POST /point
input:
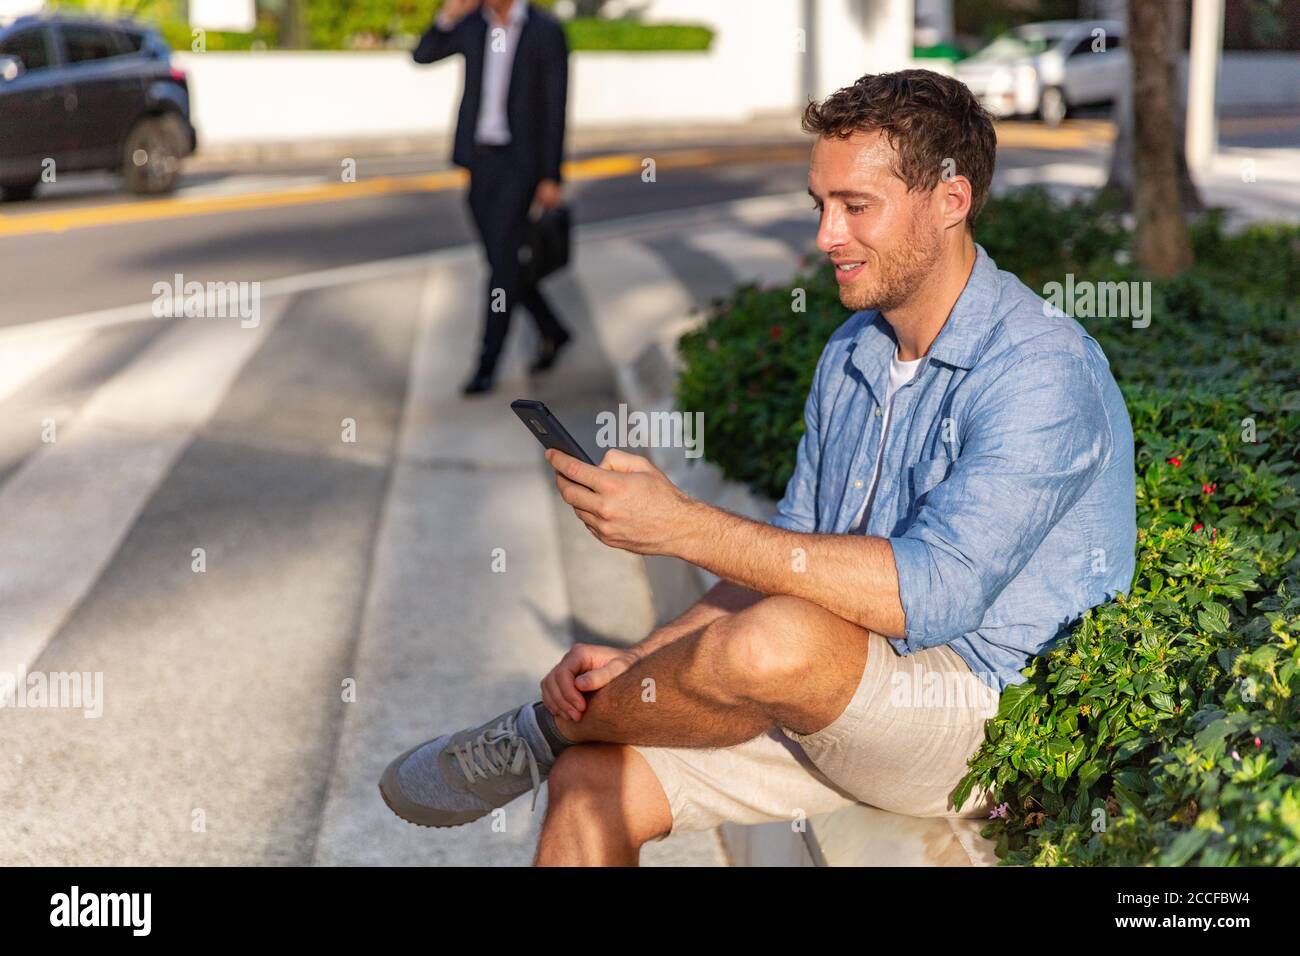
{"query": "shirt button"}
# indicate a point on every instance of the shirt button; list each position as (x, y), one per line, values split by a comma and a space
(858, 483)
(877, 411)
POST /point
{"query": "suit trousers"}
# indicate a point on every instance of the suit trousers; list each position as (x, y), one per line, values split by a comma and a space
(501, 189)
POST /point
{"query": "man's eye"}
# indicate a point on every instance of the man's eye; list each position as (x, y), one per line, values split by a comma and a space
(855, 210)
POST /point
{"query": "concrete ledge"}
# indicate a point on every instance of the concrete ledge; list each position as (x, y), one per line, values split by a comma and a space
(860, 835)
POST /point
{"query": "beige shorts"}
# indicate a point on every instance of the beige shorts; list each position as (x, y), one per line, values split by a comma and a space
(902, 745)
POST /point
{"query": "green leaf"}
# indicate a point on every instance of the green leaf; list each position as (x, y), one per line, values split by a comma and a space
(1186, 846)
(1213, 617)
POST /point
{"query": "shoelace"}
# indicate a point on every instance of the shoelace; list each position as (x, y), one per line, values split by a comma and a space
(495, 751)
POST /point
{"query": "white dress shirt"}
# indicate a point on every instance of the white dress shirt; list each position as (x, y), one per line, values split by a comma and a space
(498, 61)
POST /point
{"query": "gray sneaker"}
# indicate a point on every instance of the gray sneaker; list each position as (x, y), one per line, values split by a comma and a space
(460, 777)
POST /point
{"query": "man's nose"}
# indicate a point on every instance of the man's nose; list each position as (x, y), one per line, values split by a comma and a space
(830, 230)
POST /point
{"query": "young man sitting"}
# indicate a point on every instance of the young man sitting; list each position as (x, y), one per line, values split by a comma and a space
(963, 492)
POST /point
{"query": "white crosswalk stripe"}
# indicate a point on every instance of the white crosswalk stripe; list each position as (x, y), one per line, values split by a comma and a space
(108, 461)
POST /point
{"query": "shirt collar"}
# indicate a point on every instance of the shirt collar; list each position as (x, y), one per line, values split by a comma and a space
(958, 342)
(517, 12)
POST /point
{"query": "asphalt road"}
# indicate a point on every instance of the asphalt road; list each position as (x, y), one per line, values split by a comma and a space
(56, 261)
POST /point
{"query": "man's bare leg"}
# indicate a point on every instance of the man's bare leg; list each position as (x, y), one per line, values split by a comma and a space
(603, 804)
(782, 661)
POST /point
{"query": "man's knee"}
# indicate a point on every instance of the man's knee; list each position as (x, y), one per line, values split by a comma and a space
(613, 782)
(759, 651)
(581, 770)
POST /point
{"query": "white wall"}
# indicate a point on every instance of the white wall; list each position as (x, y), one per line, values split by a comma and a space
(1254, 79)
(759, 63)
(286, 96)
(753, 69)
(280, 97)
(14, 8)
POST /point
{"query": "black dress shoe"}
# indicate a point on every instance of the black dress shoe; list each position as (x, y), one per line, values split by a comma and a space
(480, 383)
(548, 353)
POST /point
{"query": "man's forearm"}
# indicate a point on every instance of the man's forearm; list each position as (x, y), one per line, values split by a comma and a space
(852, 576)
(436, 42)
(725, 597)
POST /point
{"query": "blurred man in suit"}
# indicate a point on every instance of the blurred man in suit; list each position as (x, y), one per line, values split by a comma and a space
(510, 136)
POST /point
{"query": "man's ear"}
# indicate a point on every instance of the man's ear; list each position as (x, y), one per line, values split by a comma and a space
(955, 194)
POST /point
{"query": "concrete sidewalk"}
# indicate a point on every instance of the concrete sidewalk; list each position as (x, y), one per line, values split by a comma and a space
(1255, 184)
(445, 642)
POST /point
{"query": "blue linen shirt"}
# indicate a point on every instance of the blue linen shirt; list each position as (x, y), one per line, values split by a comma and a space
(1007, 487)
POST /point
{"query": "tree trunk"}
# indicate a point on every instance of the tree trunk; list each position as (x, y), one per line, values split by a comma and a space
(1119, 178)
(293, 28)
(1162, 245)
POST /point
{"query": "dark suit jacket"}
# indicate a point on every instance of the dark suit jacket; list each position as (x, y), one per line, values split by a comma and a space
(539, 83)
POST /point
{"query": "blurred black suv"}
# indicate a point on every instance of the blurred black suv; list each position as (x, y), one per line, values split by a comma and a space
(78, 93)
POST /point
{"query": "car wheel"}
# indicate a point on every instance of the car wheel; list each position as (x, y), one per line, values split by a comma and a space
(15, 192)
(1051, 106)
(151, 158)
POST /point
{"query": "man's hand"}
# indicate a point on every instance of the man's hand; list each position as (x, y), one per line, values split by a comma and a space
(587, 667)
(627, 502)
(548, 194)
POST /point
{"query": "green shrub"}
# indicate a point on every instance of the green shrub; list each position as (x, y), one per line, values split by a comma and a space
(379, 24)
(593, 33)
(1163, 729)
(180, 37)
(754, 371)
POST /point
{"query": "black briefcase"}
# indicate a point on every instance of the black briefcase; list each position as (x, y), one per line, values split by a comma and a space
(547, 248)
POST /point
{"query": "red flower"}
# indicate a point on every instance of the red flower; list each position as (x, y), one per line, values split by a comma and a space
(1198, 526)
(1258, 742)
(1175, 461)
(1209, 486)
(775, 331)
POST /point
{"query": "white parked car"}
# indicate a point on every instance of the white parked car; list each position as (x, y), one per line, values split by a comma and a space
(1048, 68)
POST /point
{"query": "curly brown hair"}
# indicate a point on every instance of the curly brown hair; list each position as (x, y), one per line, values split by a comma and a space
(933, 122)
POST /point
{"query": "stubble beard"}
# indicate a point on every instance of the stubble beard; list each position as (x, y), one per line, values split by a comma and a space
(900, 275)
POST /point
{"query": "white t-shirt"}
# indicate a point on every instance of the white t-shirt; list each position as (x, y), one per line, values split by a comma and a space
(900, 373)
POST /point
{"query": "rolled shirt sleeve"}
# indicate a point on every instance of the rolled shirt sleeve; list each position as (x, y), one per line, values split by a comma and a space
(1035, 439)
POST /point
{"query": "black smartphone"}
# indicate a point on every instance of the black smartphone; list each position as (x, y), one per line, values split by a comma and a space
(541, 421)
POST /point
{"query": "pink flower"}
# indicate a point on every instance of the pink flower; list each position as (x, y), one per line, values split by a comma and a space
(1002, 810)
(1209, 486)
(1258, 743)
(1235, 755)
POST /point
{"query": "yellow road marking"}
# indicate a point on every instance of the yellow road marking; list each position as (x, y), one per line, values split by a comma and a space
(182, 206)
(596, 167)
(1075, 134)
